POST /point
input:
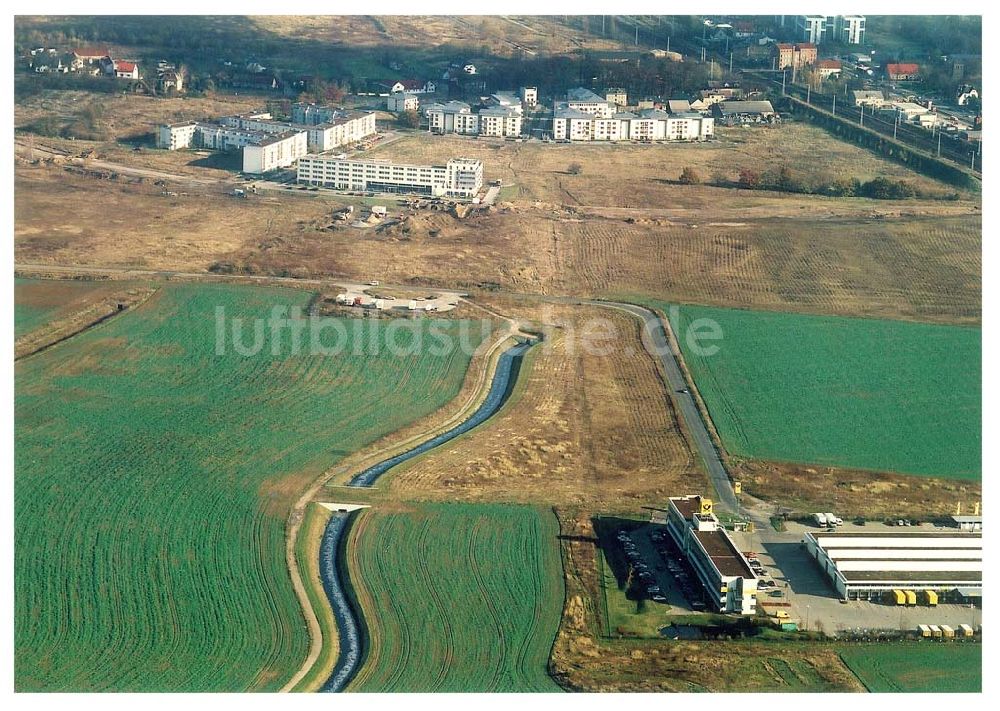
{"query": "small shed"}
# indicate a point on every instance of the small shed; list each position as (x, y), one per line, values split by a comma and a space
(968, 523)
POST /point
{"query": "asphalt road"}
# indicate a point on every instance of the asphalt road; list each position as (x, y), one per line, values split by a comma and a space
(655, 341)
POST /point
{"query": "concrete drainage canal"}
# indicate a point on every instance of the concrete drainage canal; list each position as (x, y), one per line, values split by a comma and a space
(331, 549)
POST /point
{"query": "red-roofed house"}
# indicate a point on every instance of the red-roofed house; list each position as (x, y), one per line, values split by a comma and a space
(827, 68)
(902, 72)
(126, 70)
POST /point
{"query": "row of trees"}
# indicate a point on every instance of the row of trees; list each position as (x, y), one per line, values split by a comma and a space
(787, 180)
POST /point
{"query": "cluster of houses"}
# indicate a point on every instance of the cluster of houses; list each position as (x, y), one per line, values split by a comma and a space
(911, 110)
(96, 61)
(268, 144)
(99, 61)
(584, 115)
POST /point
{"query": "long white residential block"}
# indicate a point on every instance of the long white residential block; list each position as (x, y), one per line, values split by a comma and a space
(460, 177)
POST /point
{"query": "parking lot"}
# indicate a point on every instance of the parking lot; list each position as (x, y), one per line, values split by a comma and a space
(647, 559)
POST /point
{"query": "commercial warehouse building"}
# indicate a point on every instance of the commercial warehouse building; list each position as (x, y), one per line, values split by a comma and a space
(460, 177)
(724, 573)
(867, 566)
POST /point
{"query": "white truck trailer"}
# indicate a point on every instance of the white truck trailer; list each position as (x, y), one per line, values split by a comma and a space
(820, 519)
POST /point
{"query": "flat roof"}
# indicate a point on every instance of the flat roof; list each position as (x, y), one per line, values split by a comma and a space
(687, 507)
(723, 553)
(899, 540)
(580, 94)
(912, 576)
(749, 107)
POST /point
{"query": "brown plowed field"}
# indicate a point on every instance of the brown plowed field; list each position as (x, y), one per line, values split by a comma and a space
(582, 427)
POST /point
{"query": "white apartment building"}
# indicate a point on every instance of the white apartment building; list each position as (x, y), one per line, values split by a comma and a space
(617, 96)
(849, 29)
(263, 151)
(457, 117)
(176, 136)
(340, 129)
(443, 118)
(312, 114)
(461, 177)
(507, 100)
(274, 151)
(500, 121)
(646, 125)
(225, 138)
(402, 101)
(812, 28)
(529, 95)
(588, 102)
(345, 128)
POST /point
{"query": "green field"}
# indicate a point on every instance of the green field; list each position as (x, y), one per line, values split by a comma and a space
(861, 393)
(457, 597)
(924, 667)
(36, 302)
(154, 478)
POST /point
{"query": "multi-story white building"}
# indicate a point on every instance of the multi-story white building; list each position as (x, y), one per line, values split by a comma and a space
(529, 96)
(724, 573)
(225, 138)
(457, 117)
(443, 118)
(343, 129)
(460, 177)
(500, 121)
(402, 101)
(176, 136)
(507, 100)
(266, 145)
(646, 125)
(274, 151)
(849, 29)
(617, 96)
(812, 28)
(588, 102)
(312, 114)
(572, 124)
(340, 129)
